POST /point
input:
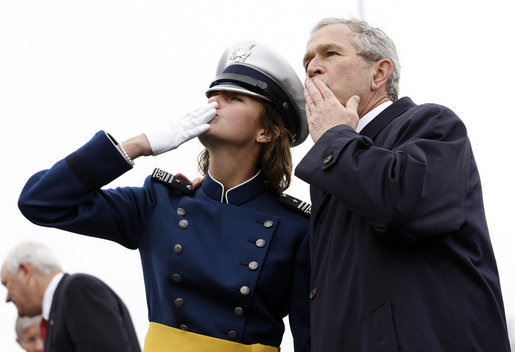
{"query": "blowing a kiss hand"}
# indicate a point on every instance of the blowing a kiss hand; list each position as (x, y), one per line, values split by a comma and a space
(324, 111)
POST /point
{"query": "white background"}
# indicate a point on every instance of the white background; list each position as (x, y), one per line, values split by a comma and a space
(69, 68)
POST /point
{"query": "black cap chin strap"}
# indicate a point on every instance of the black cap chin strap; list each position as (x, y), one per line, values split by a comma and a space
(252, 84)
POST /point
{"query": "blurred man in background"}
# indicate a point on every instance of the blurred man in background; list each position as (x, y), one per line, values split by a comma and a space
(80, 312)
(28, 333)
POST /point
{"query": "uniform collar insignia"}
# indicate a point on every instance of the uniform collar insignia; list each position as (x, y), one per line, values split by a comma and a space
(241, 54)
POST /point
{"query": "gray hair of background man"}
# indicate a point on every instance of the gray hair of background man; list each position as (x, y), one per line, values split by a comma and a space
(24, 322)
(42, 258)
(372, 44)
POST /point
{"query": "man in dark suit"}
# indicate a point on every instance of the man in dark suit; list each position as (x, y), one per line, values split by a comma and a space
(400, 251)
(80, 312)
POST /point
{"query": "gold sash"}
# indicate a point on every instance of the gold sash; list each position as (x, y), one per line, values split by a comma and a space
(162, 338)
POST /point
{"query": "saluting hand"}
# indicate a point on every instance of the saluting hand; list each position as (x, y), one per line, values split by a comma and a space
(324, 111)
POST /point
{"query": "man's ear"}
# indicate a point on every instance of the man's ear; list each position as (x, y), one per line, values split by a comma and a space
(26, 270)
(381, 72)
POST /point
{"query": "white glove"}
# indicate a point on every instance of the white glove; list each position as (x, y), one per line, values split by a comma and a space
(181, 130)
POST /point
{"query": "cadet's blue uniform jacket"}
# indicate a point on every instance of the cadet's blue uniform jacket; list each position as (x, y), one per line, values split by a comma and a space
(231, 271)
(401, 256)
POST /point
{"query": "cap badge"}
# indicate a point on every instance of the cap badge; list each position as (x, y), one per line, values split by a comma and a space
(241, 54)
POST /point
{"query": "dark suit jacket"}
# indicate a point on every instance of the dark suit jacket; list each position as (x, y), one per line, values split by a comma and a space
(87, 316)
(400, 251)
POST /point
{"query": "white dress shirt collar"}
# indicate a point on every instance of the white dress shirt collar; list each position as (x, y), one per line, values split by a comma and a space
(369, 116)
(48, 297)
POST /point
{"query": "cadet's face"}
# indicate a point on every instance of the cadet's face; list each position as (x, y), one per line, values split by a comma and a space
(237, 118)
(31, 339)
(332, 57)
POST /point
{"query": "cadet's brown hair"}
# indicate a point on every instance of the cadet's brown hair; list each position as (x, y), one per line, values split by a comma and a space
(275, 160)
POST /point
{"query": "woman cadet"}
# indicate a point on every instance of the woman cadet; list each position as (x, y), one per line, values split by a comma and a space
(223, 265)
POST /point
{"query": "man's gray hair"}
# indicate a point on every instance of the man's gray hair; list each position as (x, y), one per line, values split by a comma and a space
(24, 322)
(372, 44)
(42, 258)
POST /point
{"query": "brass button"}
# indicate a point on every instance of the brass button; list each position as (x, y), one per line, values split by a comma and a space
(253, 265)
(181, 211)
(260, 243)
(244, 290)
(268, 223)
(179, 302)
(233, 335)
(177, 249)
(183, 224)
(238, 311)
(313, 293)
(184, 327)
(176, 278)
(328, 159)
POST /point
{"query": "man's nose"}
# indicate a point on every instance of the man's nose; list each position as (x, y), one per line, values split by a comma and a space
(314, 68)
(39, 345)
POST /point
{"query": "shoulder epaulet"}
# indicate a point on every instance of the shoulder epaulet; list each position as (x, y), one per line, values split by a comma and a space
(295, 204)
(172, 181)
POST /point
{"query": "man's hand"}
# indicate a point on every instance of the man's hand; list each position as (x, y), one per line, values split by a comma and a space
(324, 111)
(180, 130)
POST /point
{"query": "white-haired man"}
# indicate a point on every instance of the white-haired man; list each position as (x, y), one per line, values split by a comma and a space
(28, 333)
(80, 312)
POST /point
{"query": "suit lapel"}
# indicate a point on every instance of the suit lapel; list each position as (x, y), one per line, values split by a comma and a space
(53, 313)
(380, 121)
